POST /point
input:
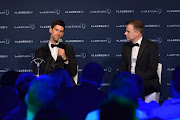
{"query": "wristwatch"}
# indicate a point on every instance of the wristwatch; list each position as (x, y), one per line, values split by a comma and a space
(66, 59)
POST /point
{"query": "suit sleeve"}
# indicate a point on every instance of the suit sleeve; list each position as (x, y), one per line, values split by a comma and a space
(153, 62)
(71, 67)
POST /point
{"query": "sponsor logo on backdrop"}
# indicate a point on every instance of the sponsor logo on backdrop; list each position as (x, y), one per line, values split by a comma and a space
(173, 26)
(4, 70)
(173, 40)
(125, 11)
(123, 40)
(169, 98)
(44, 41)
(80, 26)
(159, 40)
(5, 41)
(3, 27)
(173, 55)
(23, 41)
(44, 27)
(107, 40)
(100, 26)
(74, 12)
(81, 55)
(118, 55)
(106, 11)
(4, 12)
(56, 11)
(23, 70)
(173, 11)
(170, 69)
(80, 70)
(152, 26)
(158, 11)
(107, 69)
(105, 84)
(3, 56)
(31, 55)
(120, 26)
(30, 26)
(100, 55)
(74, 41)
(23, 12)
(169, 85)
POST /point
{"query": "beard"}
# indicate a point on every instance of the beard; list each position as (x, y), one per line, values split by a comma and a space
(56, 39)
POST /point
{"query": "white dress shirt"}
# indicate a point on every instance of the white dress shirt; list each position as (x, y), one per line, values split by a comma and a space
(54, 51)
(134, 54)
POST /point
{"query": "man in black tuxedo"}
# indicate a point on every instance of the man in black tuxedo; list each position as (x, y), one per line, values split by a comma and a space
(56, 54)
(140, 56)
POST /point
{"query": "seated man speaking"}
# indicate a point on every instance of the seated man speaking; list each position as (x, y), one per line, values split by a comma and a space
(55, 54)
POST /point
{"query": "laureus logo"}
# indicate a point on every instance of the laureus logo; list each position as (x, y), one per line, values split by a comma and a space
(82, 55)
(32, 26)
(159, 40)
(158, 10)
(7, 41)
(83, 26)
(32, 55)
(108, 11)
(6, 12)
(4, 70)
(108, 40)
(58, 11)
(108, 69)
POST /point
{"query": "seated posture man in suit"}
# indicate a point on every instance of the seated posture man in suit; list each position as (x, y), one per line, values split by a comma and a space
(86, 97)
(56, 54)
(140, 56)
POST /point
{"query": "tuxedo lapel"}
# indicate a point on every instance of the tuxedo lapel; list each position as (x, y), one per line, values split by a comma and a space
(50, 62)
(129, 51)
(141, 49)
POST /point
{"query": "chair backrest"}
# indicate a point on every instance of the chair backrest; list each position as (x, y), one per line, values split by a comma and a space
(159, 71)
(76, 77)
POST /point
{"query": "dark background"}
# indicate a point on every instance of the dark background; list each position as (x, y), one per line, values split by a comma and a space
(94, 28)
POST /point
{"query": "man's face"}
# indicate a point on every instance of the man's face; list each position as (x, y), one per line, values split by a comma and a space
(131, 33)
(56, 33)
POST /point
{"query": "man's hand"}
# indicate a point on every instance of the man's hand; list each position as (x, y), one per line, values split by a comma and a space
(61, 52)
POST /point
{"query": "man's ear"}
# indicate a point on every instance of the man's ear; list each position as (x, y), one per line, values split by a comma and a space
(138, 32)
(50, 30)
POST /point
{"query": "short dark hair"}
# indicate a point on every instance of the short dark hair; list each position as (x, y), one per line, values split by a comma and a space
(176, 78)
(124, 85)
(93, 72)
(137, 24)
(23, 82)
(58, 22)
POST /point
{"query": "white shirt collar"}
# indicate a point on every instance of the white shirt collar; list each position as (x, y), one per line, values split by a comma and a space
(139, 41)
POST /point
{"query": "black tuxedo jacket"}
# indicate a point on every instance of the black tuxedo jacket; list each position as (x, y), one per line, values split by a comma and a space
(146, 64)
(50, 64)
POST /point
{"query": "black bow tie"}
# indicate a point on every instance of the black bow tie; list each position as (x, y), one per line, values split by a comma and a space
(60, 45)
(52, 45)
(132, 45)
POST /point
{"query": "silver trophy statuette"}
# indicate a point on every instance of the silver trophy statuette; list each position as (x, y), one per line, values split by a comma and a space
(38, 62)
